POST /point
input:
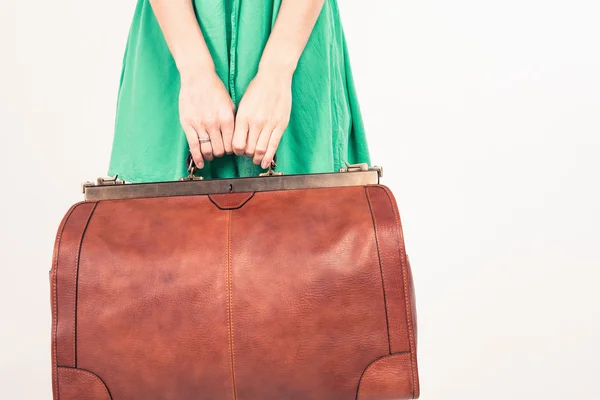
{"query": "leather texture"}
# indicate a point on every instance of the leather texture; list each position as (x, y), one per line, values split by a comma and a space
(388, 378)
(297, 294)
(77, 384)
(230, 201)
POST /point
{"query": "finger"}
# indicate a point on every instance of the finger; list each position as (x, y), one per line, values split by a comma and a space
(192, 138)
(272, 147)
(205, 146)
(216, 141)
(240, 136)
(253, 133)
(227, 129)
(261, 144)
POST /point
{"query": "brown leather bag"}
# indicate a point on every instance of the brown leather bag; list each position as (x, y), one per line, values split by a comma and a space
(267, 288)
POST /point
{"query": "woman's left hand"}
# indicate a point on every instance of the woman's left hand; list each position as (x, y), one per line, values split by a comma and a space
(262, 117)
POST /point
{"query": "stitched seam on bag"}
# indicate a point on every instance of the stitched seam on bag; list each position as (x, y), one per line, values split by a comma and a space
(385, 302)
(77, 370)
(401, 250)
(372, 364)
(76, 277)
(230, 307)
(55, 295)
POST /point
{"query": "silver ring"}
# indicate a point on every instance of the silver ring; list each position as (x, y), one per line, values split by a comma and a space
(204, 140)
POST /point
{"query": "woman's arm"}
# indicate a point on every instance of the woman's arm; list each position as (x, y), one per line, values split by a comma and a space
(264, 111)
(184, 37)
(205, 108)
(291, 32)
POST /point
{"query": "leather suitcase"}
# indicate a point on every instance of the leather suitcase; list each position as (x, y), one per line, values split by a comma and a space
(274, 287)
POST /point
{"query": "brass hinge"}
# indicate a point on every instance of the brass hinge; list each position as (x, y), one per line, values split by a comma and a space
(191, 170)
(271, 171)
(102, 182)
(192, 177)
(362, 167)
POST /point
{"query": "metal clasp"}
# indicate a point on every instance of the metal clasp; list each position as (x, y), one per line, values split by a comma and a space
(362, 167)
(102, 182)
(271, 171)
(192, 171)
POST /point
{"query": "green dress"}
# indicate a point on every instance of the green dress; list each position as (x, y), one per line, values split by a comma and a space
(325, 129)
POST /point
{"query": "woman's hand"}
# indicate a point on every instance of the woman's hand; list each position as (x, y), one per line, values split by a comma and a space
(263, 115)
(264, 112)
(205, 108)
(206, 111)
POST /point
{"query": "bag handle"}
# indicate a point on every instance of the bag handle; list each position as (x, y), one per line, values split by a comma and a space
(192, 169)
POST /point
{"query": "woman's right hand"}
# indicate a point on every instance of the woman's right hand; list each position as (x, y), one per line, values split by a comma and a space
(206, 111)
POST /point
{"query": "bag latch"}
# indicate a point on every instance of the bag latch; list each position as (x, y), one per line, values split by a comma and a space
(102, 182)
(362, 167)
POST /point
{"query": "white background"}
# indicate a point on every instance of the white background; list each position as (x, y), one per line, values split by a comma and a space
(486, 116)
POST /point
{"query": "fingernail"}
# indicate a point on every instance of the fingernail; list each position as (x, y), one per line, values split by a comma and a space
(265, 164)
